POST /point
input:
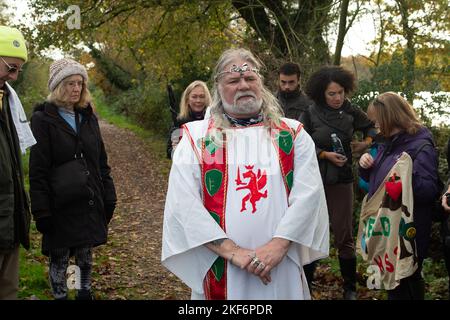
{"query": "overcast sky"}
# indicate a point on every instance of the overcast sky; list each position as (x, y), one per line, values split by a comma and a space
(356, 41)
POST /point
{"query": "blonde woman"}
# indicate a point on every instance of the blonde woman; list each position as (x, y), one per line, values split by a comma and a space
(194, 101)
(72, 192)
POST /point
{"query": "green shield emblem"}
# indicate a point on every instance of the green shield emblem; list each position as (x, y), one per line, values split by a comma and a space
(213, 180)
(215, 216)
(284, 140)
(218, 268)
(210, 146)
(290, 179)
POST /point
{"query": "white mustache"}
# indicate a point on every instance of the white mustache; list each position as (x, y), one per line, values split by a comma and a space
(244, 93)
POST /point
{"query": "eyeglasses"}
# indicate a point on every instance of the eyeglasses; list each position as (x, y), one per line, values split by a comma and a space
(11, 69)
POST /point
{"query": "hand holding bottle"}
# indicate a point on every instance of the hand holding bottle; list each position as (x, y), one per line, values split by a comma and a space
(336, 158)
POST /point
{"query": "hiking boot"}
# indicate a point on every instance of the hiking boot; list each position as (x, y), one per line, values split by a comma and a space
(309, 273)
(348, 271)
(350, 295)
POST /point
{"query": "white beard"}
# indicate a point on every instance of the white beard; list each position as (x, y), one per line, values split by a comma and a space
(248, 107)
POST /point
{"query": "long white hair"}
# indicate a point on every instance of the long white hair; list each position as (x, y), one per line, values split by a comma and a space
(270, 107)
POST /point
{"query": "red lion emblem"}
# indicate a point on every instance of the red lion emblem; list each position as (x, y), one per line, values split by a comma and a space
(256, 183)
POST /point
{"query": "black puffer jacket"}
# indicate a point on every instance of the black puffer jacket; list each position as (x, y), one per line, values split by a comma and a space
(83, 221)
(293, 103)
(344, 122)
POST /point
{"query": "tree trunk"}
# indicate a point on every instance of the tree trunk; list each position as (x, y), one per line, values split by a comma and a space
(294, 34)
(410, 51)
(342, 31)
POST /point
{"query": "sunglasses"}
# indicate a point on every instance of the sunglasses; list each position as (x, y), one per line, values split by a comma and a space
(11, 69)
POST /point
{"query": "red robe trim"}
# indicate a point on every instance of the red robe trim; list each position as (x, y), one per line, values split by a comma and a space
(214, 167)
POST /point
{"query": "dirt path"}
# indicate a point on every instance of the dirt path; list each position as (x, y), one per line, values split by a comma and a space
(129, 265)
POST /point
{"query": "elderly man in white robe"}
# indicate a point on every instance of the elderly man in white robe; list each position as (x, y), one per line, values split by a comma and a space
(245, 207)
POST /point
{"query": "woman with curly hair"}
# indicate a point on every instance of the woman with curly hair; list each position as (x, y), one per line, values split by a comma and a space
(333, 113)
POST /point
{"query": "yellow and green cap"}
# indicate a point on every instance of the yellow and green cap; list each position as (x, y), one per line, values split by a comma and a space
(12, 43)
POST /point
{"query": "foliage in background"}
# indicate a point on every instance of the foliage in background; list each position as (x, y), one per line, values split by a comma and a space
(31, 86)
(146, 105)
(3, 17)
(139, 47)
(430, 102)
(140, 38)
(290, 30)
(412, 38)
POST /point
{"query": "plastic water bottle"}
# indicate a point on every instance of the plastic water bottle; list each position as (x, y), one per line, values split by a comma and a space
(337, 144)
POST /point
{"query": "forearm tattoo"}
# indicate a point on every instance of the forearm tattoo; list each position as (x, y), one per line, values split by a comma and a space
(218, 242)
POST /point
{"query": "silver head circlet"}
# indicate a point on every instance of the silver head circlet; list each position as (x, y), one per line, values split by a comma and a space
(235, 68)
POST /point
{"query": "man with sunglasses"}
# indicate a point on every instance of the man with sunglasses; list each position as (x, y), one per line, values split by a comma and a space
(12, 69)
(15, 136)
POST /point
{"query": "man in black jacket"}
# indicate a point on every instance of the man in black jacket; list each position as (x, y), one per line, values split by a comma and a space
(14, 209)
(293, 101)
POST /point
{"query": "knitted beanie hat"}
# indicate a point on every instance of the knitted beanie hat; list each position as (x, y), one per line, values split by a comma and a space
(12, 43)
(61, 69)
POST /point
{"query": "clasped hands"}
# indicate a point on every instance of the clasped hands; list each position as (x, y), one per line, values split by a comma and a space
(260, 261)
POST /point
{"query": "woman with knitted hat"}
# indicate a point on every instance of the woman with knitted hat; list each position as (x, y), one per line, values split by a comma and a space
(72, 192)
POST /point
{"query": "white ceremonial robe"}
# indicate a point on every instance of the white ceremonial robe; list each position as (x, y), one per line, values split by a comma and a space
(303, 218)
